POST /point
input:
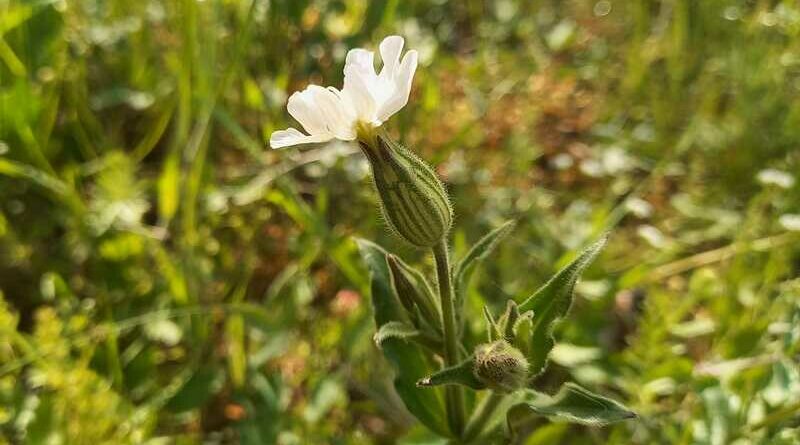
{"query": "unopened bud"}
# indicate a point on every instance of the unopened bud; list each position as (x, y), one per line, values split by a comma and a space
(413, 200)
(413, 291)
(500, 366)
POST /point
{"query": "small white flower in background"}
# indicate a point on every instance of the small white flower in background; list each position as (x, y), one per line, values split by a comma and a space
(639, 207)
(776, 177)
(367, 98)
(790, 221)
(652, 235)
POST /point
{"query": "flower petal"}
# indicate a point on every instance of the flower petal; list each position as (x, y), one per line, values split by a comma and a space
(402, 87)
(361, 58)
(303, 108)
(357, 89)
(390, 47)
(349, 112)
(336, 112)
(291, 136)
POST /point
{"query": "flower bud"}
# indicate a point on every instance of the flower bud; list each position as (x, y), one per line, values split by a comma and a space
(500, 366)
(413, 291)
(413, 200)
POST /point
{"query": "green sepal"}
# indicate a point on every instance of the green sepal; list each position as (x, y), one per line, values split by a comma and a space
(523, 331)
(572, 403)
(551, 303)
(492, 330)
(509, 320)
(407, 359)
(513, 327)
(460, 374)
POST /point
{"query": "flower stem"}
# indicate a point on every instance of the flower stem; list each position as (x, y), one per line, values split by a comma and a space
(770, 420)
(454, 395)
(777, 417)
(482, 415)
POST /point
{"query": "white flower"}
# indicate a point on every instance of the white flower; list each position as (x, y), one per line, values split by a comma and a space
(773, 176)
(367, 98)
(790, 221)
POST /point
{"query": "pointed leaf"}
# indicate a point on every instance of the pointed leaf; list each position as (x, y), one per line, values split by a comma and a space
(413, 290)
(485, 246)
(407, 359)
(197, 390)
(169, 183)
(395, 329)
(552, 302)
(573, 404)
(460, 374)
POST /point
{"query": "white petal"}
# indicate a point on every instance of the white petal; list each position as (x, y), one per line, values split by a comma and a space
(337, 114)
(390, 47)
(291, 136)
(349, 113)
(402, 87)
(362, 58)
(357, 89)
(303, 108)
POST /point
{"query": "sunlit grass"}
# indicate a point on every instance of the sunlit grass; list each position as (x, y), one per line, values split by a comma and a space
(161, 265)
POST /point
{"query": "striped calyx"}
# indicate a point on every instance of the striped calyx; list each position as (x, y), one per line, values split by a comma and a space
(413, 200)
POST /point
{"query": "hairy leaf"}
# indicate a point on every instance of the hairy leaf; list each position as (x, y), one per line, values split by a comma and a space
(414, 292)
(395, 329)
(463, 270)
(552, 302)
(460, 374)
(573, 404)
(407, 359)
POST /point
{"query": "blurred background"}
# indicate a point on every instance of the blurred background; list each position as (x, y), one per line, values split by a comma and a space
(167, 278)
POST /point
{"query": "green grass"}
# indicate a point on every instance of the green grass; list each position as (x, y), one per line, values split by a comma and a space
(167, 278)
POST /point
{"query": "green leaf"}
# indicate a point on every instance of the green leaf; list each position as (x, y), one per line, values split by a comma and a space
(463, 270)
(15, 15)
(169, 187)
(235, 336)
(573, 404)
(326, 395)
(378, 12)
(340, 251)
(39, 177)
(551, 303)
(460, 374)
(407, 359)
(395, 329)
(197, 390)
(415, 293)
(549, 434)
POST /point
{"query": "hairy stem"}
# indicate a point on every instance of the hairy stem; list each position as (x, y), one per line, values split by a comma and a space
(454, 394)
(482, 415)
